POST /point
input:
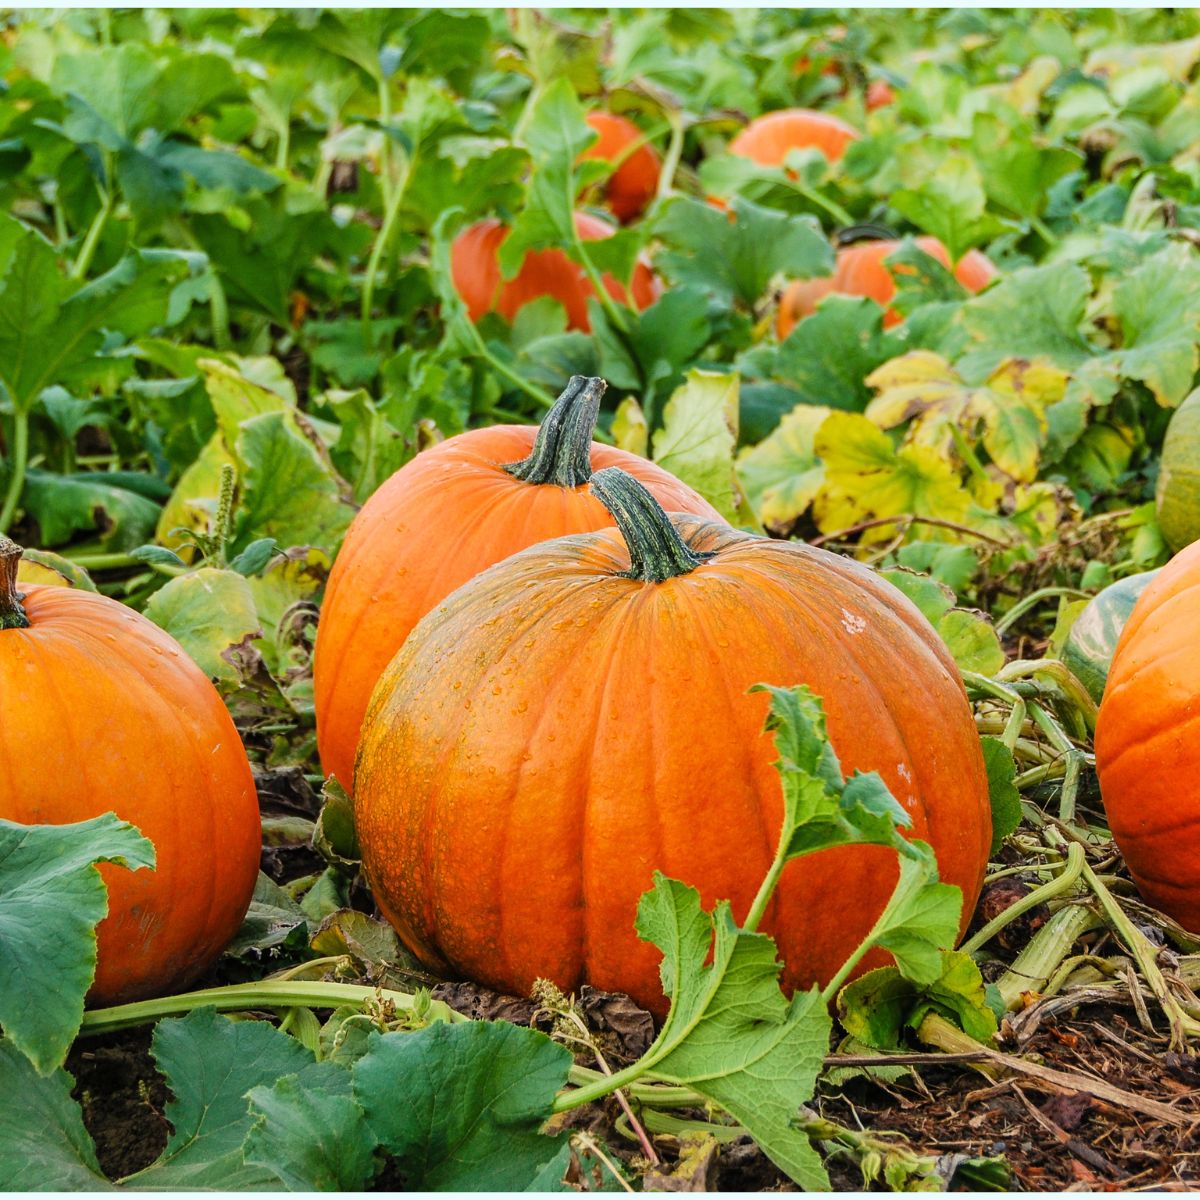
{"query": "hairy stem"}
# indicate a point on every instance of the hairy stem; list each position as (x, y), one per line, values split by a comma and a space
(16, 469)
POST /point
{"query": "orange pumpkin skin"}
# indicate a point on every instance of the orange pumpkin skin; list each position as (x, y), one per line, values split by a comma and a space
(555, 731)
(475, 269)
(861, 271)
(631, 187)
(1148, 741)
(880, 94)
(450, 513)
(768, 139)
(101, 711)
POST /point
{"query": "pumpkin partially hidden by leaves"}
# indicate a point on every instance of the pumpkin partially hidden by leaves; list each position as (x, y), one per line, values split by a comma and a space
(101, 711)
(454, 510)
(861, 270)
(579, 716)
(1178, 493)
(631, 187)
(475, 269)
(1148, 741)
(769, 139)
(1092, 641)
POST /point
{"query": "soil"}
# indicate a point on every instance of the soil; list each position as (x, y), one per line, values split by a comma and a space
(122, 1097)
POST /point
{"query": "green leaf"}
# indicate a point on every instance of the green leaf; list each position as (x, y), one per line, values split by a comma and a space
(312, 1140)
(921, 918)
(274, 919)
(730, 1034)
(44, 1146)
(291, 491)
(210, 1064)
(821, 810)
(556, 134)
(94, 501)
(828, 355)
(211, 614)
(476, 1097)
(1002, 791)
(736, 260)
(972, 640)
(878, 1006)
(1018, 171)
(51, 328)
(51, 900)
(698, 436)
(950, 203)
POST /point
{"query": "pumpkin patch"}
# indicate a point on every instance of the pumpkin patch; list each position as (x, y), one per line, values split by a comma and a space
(607, 603)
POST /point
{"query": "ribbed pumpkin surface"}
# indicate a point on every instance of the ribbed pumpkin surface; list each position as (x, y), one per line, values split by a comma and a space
(555, 731)
(101, 711)
(450, 513)
(1148, 741)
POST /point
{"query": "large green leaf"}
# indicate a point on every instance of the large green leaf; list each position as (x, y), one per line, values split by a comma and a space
(51, 900)
(476, 1098)
(44, 1146)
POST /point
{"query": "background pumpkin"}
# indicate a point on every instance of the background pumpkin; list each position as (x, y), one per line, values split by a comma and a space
(1148, 741)
(861, 271)
(475, 269)
(578, 716)
(101, 711)
(631, 187)
(1178, 493)
(1092, 641)
(768, 139)
(451, 512)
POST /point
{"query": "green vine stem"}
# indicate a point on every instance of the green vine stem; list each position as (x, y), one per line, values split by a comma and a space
(562, 452)
(1063, 680)
(12, 615)
(382, 241)
(265, 994)
(1065, 881)
(1184, 1020)
(656, 551)
(1045, 952)
(16, 469)
(1026, 603)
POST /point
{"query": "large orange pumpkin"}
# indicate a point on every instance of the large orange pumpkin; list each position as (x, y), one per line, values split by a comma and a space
(631, 187)
(475, 269)
(101, 711)
(451, 512)
(1148, 741)
(861, 271)
(579, 716)
(768, 139)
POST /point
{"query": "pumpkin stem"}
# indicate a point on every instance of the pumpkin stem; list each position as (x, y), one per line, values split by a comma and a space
(12, 615)
(656, 551)
(562, 453)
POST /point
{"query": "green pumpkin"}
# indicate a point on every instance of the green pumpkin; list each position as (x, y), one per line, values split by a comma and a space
(1089, 647)
(1178, 494)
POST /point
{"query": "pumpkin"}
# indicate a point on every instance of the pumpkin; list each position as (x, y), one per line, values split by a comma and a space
(475, 270)
(768, 139)
(631, 187)
(1178, 492)
(451, 512)
(578, 716)
(101, 711)
(1092, 640)
(1148, 741)
(880, 94)
(861, 271)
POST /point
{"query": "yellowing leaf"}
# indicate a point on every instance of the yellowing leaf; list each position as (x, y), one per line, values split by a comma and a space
(782, 474)
(866, 477)
(698, 437)
(629, 428)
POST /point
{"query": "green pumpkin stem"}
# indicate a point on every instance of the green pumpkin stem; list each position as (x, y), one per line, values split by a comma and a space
(562, 453)
(12, 615)
(656, 551)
